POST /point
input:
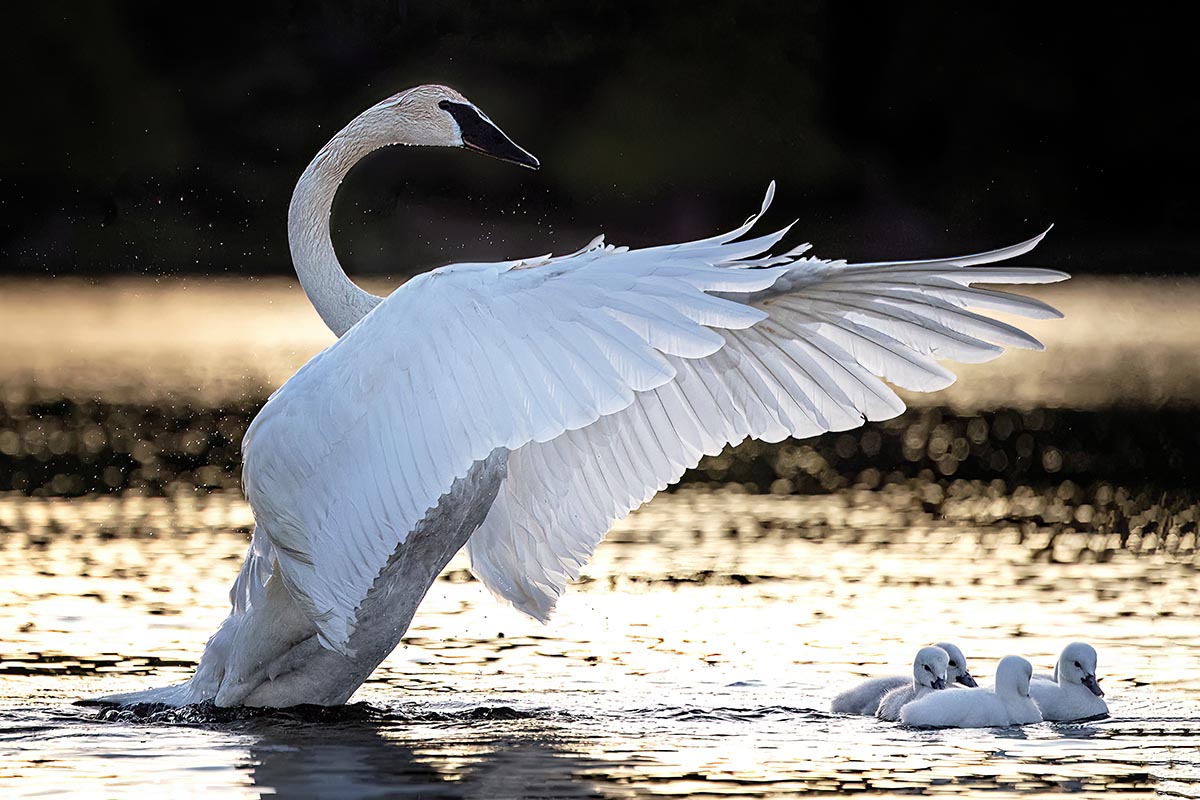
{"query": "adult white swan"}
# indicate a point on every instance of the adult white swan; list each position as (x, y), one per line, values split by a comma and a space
(522, 407)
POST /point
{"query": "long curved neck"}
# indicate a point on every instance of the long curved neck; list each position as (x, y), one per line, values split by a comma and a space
(339, 302)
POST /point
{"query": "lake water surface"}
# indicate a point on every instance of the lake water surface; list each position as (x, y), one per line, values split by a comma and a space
(698, 654)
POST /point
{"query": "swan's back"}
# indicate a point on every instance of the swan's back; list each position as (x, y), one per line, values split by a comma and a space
(960, 708)
(864, 699)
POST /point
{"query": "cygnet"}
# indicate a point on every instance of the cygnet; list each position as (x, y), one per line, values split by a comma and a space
(929, 675)
(1075, 692)
(864, 698)
(1008, 703)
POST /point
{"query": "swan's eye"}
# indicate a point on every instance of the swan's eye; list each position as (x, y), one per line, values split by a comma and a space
(953, 664)
(927, 669)
(1077, 665)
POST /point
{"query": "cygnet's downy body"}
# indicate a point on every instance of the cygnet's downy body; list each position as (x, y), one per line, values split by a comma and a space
(929, 675)
(1075, 692)
(864, 698)
(1008, 703)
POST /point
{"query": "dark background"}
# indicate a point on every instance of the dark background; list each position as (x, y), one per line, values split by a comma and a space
(139, 139)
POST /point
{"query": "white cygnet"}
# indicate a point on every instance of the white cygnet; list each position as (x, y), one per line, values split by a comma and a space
(957, 673)
(864, 698)
(1074, 693)
(929, 675)
(1008, 703)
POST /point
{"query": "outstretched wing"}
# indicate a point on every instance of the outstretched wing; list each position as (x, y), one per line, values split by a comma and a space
(815, 364)
(607, 373)
(350, 454)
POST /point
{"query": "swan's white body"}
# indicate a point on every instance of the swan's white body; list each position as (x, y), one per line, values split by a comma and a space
(1007, 703)
(864, 698)
(520, 408)
(929, 675)
(1074, 693)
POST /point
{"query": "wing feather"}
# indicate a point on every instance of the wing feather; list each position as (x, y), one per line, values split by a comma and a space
(814, 364)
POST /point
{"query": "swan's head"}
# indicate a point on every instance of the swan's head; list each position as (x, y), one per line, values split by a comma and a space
(1077, 664)
(1013, 675)
(929, 667)
(438, 116)
(958, 672)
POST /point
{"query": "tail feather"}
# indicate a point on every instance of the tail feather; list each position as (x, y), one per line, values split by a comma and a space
(175, 696)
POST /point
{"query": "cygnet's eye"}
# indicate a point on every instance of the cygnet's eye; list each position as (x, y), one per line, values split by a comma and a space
(927, 669)
(953, 664)
(1077, 665)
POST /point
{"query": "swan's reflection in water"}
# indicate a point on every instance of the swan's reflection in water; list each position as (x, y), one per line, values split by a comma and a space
(349, 761)
(392, 757)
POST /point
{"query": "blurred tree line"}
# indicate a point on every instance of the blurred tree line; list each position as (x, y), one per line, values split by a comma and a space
(146, 138)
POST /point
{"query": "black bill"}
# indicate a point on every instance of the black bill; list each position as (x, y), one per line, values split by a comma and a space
(481, 135)
(939, 683)
(1093, 685)
(966, 680)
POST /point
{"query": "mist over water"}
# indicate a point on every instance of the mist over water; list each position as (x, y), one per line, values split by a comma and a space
(1045, 498)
